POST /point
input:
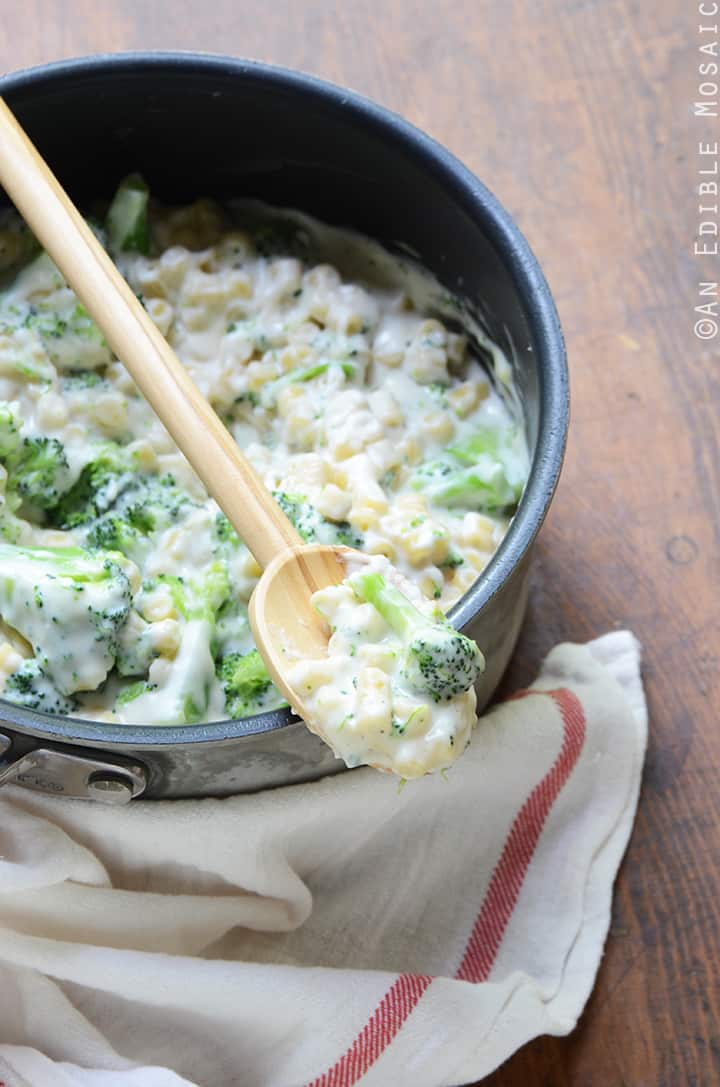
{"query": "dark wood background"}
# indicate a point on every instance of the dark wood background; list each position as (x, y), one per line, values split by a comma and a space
(578, 114)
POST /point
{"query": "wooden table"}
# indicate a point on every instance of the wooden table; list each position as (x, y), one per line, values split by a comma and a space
(579, 115)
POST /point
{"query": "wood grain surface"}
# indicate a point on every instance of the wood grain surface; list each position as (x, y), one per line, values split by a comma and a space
(579, 115)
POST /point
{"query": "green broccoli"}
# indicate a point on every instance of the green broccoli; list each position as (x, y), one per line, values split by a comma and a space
(69, 335)
(347, 535)
(483, 487)
(96, 489)
(80, 380)
(31, 687)
(312, 526)
(127, 218)
(133, 691)
(112, 533)
(22, 354)
(201, 597)
(246, 683)
(225, 532)
(188, 687)
(134, 656)
(118, 508)
(271, 390)
(439, 660)
(451, 561)
(127, 528)
(70, 605)
(136, 649)
(38, 471)
(484, 472)
(10, 424)
(231, 626)
(12, 528)
(54, 330)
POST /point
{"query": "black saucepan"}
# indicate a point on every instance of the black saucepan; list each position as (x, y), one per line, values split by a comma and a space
(198, 125)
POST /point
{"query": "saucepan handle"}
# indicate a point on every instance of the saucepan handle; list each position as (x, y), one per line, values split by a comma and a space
(65, 773)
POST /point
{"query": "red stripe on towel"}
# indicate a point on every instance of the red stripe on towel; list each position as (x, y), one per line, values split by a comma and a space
(509, 874)
(495, 913)
(378, 1032)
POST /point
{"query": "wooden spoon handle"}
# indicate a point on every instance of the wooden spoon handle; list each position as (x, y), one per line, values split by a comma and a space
(135, 340)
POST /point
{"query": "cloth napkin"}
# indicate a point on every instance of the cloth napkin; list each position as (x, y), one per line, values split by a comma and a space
(338, 933)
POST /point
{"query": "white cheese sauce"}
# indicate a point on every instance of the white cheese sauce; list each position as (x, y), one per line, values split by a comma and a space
(343, 375)
(359, 698)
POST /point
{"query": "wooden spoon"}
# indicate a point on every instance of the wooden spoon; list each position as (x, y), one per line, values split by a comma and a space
(284, 623)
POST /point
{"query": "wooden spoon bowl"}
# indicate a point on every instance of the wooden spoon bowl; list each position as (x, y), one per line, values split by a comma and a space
(284, 624)
(283, 621)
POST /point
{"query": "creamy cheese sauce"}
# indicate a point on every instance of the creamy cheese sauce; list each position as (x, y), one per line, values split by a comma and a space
(364, 410)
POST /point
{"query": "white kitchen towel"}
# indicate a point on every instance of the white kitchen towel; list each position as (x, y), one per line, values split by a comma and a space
(338, 933)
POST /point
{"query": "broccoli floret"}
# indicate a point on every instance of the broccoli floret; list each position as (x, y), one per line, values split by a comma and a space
(312, 526)
(347, 535)
(484, 472)
(188, 684)
(127, 218)
(304, 517)
(70, 605)
(81, 379)
(246, 683)
(231, 626)
(133, 691)
(224, 530)
(113, 534)
(210, 592)
(9, 429)
(451, 561)
(140, 642)
(22, 353)
(70, 337)
(482, 487)
(96, 490)
(439, 660)
(126, 531)
(136, 647)
(198, 598)
(161, 498)
(12, 528)
(30, 686)
(486, 441)
(53, 330)
(228, 542)
(271, 390)
(118, 507)
(438, 390)
(131, 508)
(38, 471)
